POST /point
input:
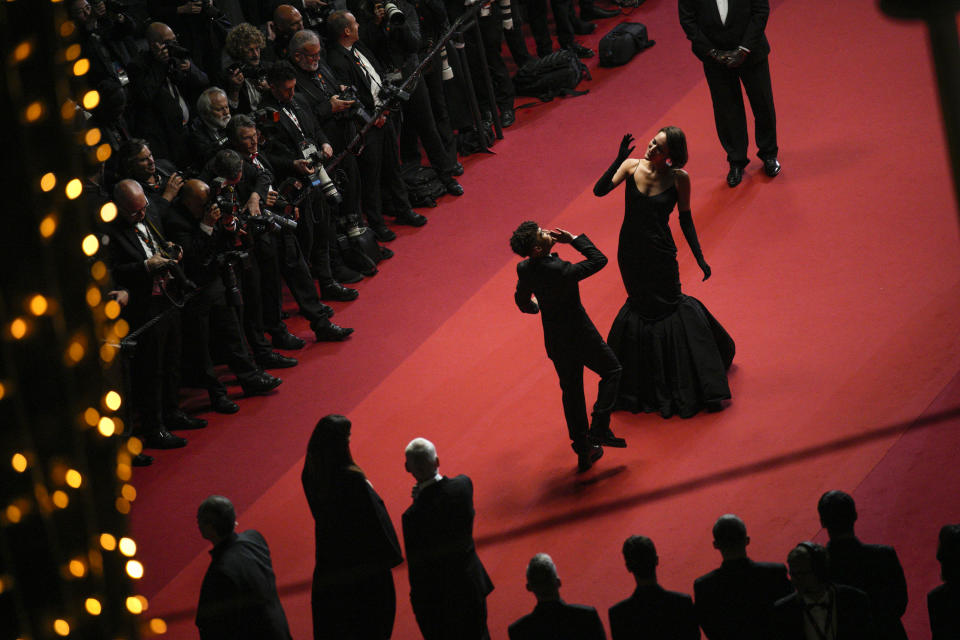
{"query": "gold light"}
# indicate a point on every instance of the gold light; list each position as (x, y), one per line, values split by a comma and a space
(68, 110)
(98, 270)
(128, 547)
(73, 478)
(134, 605)
(129, 492)
(158, 626)
(19, 462)
(34, 111)
(91, 416)
(81, 66)
(122, 505)
(90, 138)
(112, 309)
(74, 189)
(124, 471)
(75, 352)
(106, 427)
(61, 499)
(38, 305)
(3, 391)
(121, 327)
(134, 569)
(18, 328)
(77, 568)
(48, 225)
(60, 627)
(91, 99)
(108, 542)
(103, 152)
(112, 400)
(93, 606)
(13, 513)
(22, 52)
(90, 245)
(94, 296)
(67, 28)
(108, 212)
(107, 353)
(72, 52)
(135, 446)
(48, 181)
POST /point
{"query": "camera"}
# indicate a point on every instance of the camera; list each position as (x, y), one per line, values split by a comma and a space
(228, 261)
(314, 17)
(265, 117)
(356, 109)
(389, 92)
(446, 71)
(506, 14)
(178, 54)
(320, 179)
(394, 15)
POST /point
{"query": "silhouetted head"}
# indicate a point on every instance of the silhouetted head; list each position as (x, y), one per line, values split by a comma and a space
(421, 459)
(530, 241)
(542, 578)
(216, 518)
(948, 553)
(640, 556)
(730, 536)
(809, 569)
(837, 512)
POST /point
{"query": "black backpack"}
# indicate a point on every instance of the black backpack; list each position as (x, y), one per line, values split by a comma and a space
(624, 41)
(423, 185)
(556, 74)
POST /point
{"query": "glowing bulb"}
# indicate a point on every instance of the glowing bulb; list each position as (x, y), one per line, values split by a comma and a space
(124, 471)
(92, 137)
(38, 305)
(121, 327)
(129, 493)
(107, 353)
(111, 309)
(14, 514)
(60, 627)
(91, 416)
(94, 296)
(33, 111)
(90, 245)
(48, 225)
(106, 427)
(61, 499)
(93, 606)
(103, 152)
(18, 328)
(68, 110)
(19, 462)
(22, 52)
(73, 478)
(74, 189)
(91, 99)
(158, 626)
(135, 446)
(112, 400)
(77, 568)
(81, 66)
(98, 270)
(128, 547)
(67, 28)
(122, 505)
(134, 569)
(3, 391)
(108, 542)
(134, 605)
(72, 52)
(75, 352)
(48, 181)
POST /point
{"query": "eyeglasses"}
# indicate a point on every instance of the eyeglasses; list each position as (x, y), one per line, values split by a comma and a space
(310, 56)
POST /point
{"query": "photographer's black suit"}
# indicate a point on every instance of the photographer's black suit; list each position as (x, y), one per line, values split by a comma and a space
(744, 27)
(571, 339)
(735, 601)
(204, 142)
(851, 607)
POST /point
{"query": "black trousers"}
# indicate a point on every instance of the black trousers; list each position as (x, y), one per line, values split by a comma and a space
(491, 30)
(730, 115)
(261, 287)
(537, 15)
(313, 233)
(420, 121)
(409, 143)
(383, 188)
(293, 268)
(155, 368)
(591, 352)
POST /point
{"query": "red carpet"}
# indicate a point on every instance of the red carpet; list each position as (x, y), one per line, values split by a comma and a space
(839, 280)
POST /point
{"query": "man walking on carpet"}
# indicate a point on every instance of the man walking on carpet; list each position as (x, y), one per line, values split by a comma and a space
(551, 286)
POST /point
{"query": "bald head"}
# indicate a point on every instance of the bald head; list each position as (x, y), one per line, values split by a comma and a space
(159, 32)
(422, 461)
(194, 196)
(130, 200)
(730, 536)
(287, 20)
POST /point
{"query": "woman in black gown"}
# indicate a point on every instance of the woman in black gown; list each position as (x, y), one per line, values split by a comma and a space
(356, 545)
(674, 354)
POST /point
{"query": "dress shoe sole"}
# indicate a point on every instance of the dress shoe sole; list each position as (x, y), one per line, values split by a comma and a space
(230, 409)
(339, 337)
(280, 364)
(340, 296)
(610, 441)
(733, 179)
(259, 391)
(585, 462)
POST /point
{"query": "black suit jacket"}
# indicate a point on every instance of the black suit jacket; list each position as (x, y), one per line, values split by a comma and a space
(744, 27)
(943, 607)
(736, 600)
(558, 621)
(875, 570)
(283, 138)
(556, 284)
(238, 598)
(448, 583)
(653, 613)
(854, 621)
(351, 72)
(125, 258)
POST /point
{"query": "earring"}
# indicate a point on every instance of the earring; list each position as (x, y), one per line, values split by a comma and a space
(669, 162)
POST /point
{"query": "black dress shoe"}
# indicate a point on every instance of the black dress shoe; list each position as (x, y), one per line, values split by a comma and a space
(343, 273)
(274, 360)
(260, 384)
(581, 51)
(288, 341)
(507, 117)
(605, 438)
(457, 169)
(585, 459)
(735, 175)
(771, 166)
(223, 404)
(163, 439)
(337, 291)
(411, 218)
(453, 187)
(582, 28)
(179, 420)
(383, 233)
(596, 13)
(141, 460)
(332, 333)
(385, 253)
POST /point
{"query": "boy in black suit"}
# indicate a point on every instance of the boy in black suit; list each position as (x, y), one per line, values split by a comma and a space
(549, 285)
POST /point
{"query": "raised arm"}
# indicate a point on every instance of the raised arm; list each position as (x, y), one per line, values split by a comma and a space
(686, 220)
(618, 170)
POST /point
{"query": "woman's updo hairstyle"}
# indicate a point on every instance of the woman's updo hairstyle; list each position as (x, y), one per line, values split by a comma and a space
(676, 146)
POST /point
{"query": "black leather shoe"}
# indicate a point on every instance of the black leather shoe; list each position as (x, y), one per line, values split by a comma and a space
(457, 169)
(605, 438)
(385, 253)
(163, 439)
(276, 360)
(343, 273)
(179, 420)
(596, 13)
(581, 51)
(383, 233)
(586, 458)
(771, 166)
(411, 219)
(582, 28)
(141, 460)
(288, 341)
(223, 404)
(260, 384)
(453, 187)
(332, 333)
(507, 118)
(337, 291)
(734, 176)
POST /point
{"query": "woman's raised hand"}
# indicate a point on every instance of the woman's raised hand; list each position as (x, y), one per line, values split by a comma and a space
(625, 148)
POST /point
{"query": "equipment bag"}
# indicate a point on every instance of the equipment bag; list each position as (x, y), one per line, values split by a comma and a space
(556, 74)
(624, 41)
(359, 250)
(423, 185)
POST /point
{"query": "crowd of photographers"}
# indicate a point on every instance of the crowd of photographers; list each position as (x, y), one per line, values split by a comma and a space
(257, 144)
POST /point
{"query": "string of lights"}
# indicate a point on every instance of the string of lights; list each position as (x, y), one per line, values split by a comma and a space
(67, 567)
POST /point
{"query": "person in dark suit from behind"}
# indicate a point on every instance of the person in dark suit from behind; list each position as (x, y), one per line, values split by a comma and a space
(733, 48)
(943, 602)
(736, 600)
(356, 546)
(552, 618)
(551, 286)
(652, 612)
(448, 583)
(238, 597)
(872, 568)
(819, 609)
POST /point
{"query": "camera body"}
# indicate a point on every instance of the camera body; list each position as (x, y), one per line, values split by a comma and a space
(394, 15)
(178, 55)
(356, 109)
(320, 179)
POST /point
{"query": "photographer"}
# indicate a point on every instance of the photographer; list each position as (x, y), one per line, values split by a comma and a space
(287, 20)
(213, 259)
(244, 75)
(201, 25)
(106, 37)
(160, 181)
(208, 130)
(164, 83)
(384, 190)
(282, 257)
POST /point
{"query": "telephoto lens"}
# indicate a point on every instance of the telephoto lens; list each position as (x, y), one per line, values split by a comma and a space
(394, 15)
(506, 14)
(446, 71)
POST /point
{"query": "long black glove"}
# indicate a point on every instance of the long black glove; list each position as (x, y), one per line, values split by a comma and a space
(690, 233)
(605, 183)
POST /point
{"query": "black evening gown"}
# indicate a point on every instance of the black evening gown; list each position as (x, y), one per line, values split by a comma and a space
(674, 354)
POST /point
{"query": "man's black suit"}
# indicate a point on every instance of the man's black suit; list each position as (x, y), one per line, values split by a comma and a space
(204, 141)
(448, 584)
(736, 600)
(238, 598)
(875, 570)
(744, 27)
(852, 610)
(943, 608)
(653, 613)
(571, 339)
(558, 621)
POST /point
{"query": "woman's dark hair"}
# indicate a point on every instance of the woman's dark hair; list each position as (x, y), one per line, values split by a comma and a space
(328, 455)
(676, 146)
(524, 238)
